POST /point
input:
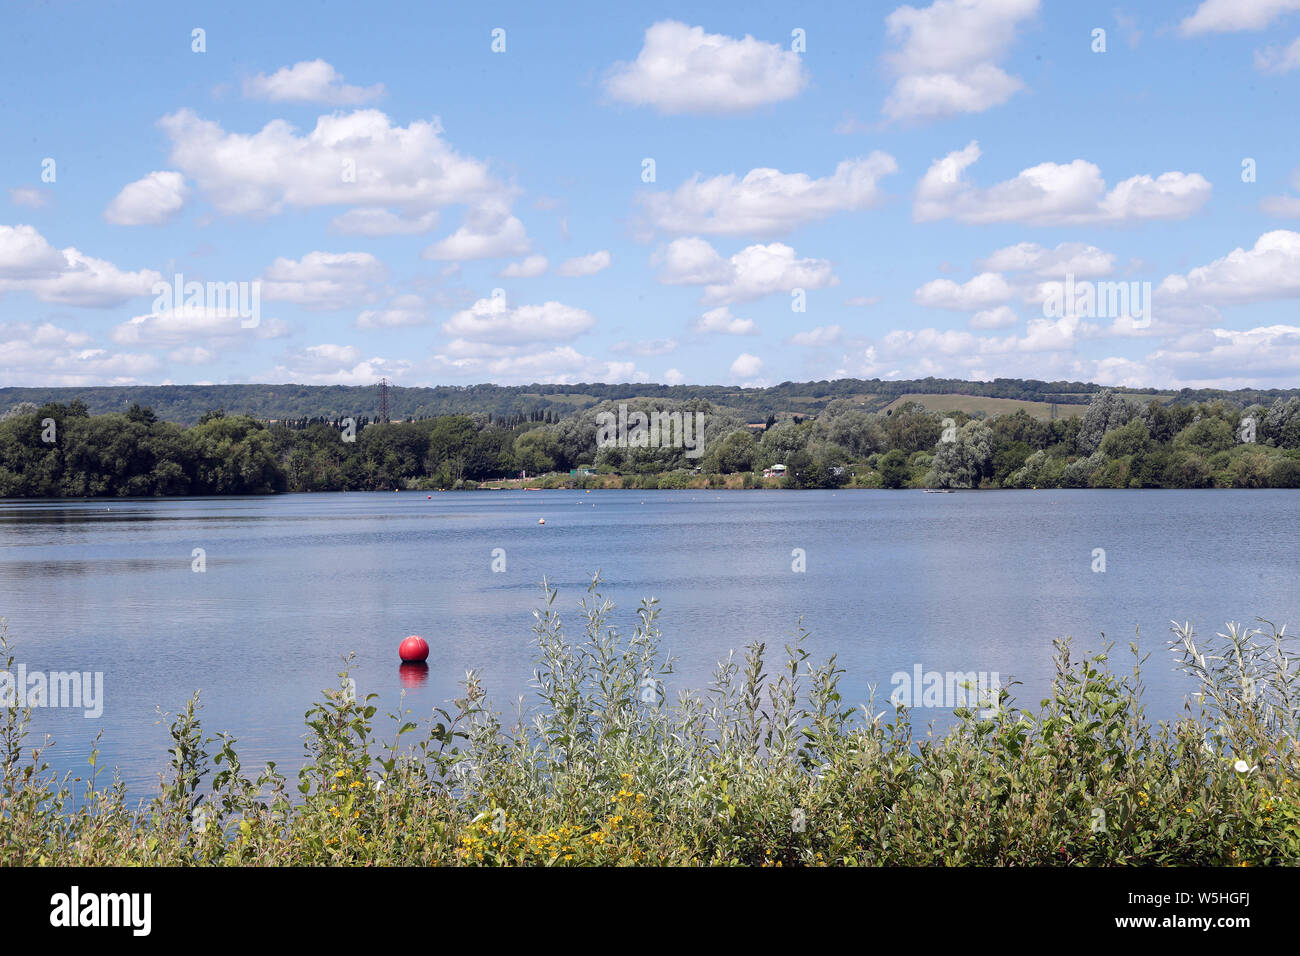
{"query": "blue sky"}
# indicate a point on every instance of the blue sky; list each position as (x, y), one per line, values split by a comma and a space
(413, 204)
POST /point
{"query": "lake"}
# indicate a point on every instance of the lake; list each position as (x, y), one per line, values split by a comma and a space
(892, 581)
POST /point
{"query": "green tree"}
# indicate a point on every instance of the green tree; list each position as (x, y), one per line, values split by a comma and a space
(1106, 411)
(536, 451)
(1130, 439)
(781, 442)
(1285, 473)
(893, 469)
(855, 431)
(737, 452)
(140, 415)
(964, 461)
(1008, 458)
(447, 448)
(911, 428)
(1206, 436)
(234, 456)
(1281, 426)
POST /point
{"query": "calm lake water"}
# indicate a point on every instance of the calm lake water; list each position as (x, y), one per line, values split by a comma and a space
(960, 582)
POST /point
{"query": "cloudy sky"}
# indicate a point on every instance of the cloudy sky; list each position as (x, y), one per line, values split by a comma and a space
(640, 192)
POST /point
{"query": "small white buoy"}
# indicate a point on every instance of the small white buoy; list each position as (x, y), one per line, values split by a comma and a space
(541, 521)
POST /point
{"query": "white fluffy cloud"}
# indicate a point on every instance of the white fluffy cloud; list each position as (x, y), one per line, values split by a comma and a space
(383, 222)
(746, 366)
(403, 312)
(1049, 349)
(25, 254)
(819, 337)
(1052, 194)
(150, 201)
(1046, 350)
(187, 326)
(1083, 261)
(66, 277)
(489, 232)
(93, 282)
(587, 265)
(1000, 317)
(986, 289)
(46, 354)
(191, 355)
(1227, 16)
(491, 320)
(721, 321)
(330, 364)
(1268, 271)
(1274, 59)
(691, 261)
(1230, 358)
(763, 270)
(947, 60)
(323, 280)
(682, 69)
(528, 268)
(276, 168)
(1284, 206)
(767, 202)
(750, 274)
(562, 364)
(359, 159)
(28, 196)
(329, 355)
(311, 81)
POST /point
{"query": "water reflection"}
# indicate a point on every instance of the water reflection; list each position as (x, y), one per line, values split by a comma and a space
(413, 674)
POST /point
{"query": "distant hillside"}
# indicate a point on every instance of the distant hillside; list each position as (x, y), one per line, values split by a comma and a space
(977, 404)
(186, 403)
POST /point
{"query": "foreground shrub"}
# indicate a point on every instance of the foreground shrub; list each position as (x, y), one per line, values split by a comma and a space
(764, 767)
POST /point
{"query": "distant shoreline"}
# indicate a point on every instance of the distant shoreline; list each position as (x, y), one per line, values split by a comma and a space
(64, 451)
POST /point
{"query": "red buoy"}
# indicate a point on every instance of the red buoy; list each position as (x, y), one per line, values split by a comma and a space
(414, 649)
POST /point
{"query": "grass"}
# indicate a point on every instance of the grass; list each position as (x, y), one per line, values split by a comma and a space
(767, 766)
(971, 404)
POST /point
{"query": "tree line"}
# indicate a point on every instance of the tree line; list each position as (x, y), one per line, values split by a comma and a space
(61, 450)
(185, 404)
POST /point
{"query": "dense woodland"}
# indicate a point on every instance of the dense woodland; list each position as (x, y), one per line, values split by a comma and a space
(186, 404)
(59, 450)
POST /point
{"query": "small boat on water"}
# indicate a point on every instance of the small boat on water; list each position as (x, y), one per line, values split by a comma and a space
(938, 491)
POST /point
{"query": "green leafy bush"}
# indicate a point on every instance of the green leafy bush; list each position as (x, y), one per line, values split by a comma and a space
(615, 765)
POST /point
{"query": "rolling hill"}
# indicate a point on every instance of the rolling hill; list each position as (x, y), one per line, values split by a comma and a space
(184, 404)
